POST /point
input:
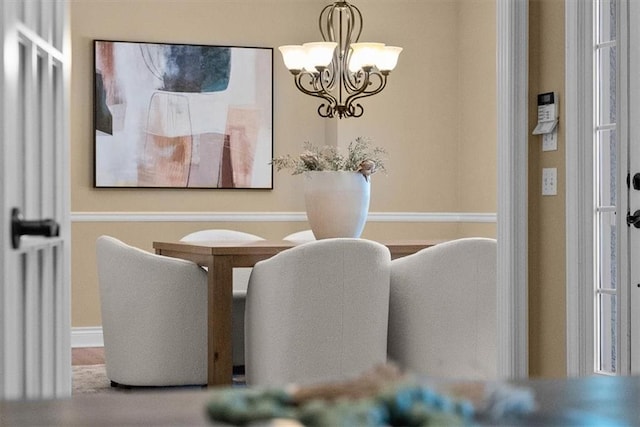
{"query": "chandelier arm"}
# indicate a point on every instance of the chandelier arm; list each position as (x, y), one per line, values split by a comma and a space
(311, 83)
(330, 73)
(352, 15)
(361, 82)
(326, 111)
(357, 84)
(355, 110)
(363, 93)
(317, 93)
(353, 82)
(317, 80)
(373, 87)
(357, 22)
(349, 110)
(327, 87)
(326, 18)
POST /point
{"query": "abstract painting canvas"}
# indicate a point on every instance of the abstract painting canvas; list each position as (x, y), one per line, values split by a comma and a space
(182, 116)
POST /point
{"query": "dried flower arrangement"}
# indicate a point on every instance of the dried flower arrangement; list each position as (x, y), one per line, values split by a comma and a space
(361, 157)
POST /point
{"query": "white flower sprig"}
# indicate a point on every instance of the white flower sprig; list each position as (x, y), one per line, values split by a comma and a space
(361, 157)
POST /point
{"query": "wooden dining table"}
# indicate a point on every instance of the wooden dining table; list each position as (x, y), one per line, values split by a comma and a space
(220, 258)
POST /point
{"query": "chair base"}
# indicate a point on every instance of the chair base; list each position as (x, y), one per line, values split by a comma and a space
(147, 387)
(118, 385)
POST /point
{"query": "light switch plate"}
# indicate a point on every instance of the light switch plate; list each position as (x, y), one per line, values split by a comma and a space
(550, 141)
(549, 181)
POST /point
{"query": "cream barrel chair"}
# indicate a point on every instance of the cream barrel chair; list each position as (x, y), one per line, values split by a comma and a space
(154, 316)
(240, 280)
(317, 312)
(442, 310)
(300, 236)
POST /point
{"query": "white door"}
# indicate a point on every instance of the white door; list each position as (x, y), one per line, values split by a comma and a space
(633, 80)
(35, 360)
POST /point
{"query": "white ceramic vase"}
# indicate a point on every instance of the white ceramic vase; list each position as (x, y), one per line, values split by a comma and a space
(337, 203)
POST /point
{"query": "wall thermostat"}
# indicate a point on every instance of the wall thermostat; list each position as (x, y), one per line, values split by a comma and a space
(547, 113)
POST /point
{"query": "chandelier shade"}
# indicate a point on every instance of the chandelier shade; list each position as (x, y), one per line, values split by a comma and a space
(294, 57)
(340, 70)
(318, 54)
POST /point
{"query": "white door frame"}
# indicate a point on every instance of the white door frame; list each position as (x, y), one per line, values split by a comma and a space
(631, 89)
(579, 79)
(512, 225)
(579, 192)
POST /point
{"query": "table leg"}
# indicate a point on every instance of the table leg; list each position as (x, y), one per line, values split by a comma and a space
(220, 278)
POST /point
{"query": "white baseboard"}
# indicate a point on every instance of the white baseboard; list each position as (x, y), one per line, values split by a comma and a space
(87, 337)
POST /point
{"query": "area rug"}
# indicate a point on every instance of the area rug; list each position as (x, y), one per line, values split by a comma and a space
(93, 379)
(90, 379)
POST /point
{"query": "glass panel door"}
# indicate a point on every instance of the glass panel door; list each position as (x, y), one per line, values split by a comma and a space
(607, 297)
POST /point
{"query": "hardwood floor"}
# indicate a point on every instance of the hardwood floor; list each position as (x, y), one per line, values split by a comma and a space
(87, 356)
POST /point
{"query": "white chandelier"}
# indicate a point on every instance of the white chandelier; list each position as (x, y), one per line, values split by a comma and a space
(340, 70)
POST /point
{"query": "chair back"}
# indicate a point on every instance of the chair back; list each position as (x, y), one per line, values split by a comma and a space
(153, 316)
(219, 234)
(442, 310)
(300, 236)
(317, 312)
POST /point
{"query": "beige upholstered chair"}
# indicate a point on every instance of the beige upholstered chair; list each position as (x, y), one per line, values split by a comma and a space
(317, 312)
(442, 310)
(300, 236)
(154, 316)
(240, 280)
(219, 234)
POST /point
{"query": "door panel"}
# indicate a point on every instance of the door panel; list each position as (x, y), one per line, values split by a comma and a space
(35, 360)
(634, 167)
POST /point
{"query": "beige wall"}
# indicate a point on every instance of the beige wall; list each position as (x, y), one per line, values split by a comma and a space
(442, 150)
(547, 287)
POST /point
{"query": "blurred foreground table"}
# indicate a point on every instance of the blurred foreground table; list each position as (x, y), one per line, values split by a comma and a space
(592, 401)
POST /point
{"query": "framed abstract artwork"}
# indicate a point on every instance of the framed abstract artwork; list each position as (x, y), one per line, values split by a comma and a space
(182, 116)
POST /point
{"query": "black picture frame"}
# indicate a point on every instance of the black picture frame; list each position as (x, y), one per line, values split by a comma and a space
(169, 115)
